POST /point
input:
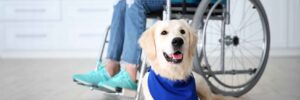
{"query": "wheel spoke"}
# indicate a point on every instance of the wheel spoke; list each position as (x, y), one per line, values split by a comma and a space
(249, 52)
(246, 44)
(248, 24)
(213, 33)
(232, 58)
(253, 34)
(248, 59)
(243, 16)
(216, 25)
(245, 41)
(239, 60)
(215, 60)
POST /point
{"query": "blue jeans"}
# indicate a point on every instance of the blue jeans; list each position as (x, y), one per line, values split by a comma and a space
(127, 25)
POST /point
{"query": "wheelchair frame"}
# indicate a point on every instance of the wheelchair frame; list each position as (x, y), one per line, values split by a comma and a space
(198, 23)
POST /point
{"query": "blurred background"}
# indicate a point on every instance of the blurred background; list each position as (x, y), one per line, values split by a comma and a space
(44, 42)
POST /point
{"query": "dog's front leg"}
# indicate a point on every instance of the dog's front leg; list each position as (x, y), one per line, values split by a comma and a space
(204, 92)
(202, 87)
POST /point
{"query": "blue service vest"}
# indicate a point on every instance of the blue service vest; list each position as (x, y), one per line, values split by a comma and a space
(162, 88)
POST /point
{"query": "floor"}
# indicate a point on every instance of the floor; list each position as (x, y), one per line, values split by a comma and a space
(50, 79)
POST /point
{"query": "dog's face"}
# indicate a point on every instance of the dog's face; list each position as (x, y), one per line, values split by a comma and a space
(171, 39)
(170, 46)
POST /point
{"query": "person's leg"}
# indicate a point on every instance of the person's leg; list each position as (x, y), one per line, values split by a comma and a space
(135, 20)
(135, 24)
(132, 71)
(112, 66)
(116, 39)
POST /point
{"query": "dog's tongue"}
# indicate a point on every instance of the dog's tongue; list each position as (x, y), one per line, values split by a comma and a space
(177, 56)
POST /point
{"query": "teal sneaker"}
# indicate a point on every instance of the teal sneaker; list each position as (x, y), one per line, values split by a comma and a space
(92, 78)
(121, 80)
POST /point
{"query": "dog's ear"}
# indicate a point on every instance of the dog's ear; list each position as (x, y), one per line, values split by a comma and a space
(192, 37)
(193, 41)
(147, 43)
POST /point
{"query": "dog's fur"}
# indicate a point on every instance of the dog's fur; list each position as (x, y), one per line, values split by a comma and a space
(154, 44)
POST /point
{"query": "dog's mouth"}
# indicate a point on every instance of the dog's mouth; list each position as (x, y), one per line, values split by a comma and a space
(175, 57)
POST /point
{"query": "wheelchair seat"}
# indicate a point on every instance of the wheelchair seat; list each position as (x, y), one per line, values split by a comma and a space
(187, 9)
(155, 14)
(193, 3)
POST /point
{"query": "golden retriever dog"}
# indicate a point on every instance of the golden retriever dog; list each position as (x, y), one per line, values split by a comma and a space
(170, 47)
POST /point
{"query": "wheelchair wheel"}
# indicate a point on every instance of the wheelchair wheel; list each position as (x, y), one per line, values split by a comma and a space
(236, 49)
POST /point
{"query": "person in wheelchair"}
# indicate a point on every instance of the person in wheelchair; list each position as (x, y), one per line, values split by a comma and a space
(128, 23)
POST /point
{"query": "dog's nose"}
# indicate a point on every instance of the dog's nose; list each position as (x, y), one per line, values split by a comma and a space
(177, 42)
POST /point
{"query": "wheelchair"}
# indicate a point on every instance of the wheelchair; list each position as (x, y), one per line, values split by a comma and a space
(233, 46)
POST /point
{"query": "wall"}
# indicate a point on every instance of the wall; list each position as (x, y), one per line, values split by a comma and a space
(55, 28)
(284, 24)
(74, 28)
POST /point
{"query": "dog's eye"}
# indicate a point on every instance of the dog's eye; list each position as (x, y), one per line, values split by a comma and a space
(164, 33)
(182, 31)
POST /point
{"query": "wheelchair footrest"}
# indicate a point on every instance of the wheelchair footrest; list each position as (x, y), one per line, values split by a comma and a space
(117, 91)
(110, 90)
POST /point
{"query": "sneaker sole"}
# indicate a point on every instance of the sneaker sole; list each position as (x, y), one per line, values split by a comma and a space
(79, 82)
(106, 89)
(121, 91)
